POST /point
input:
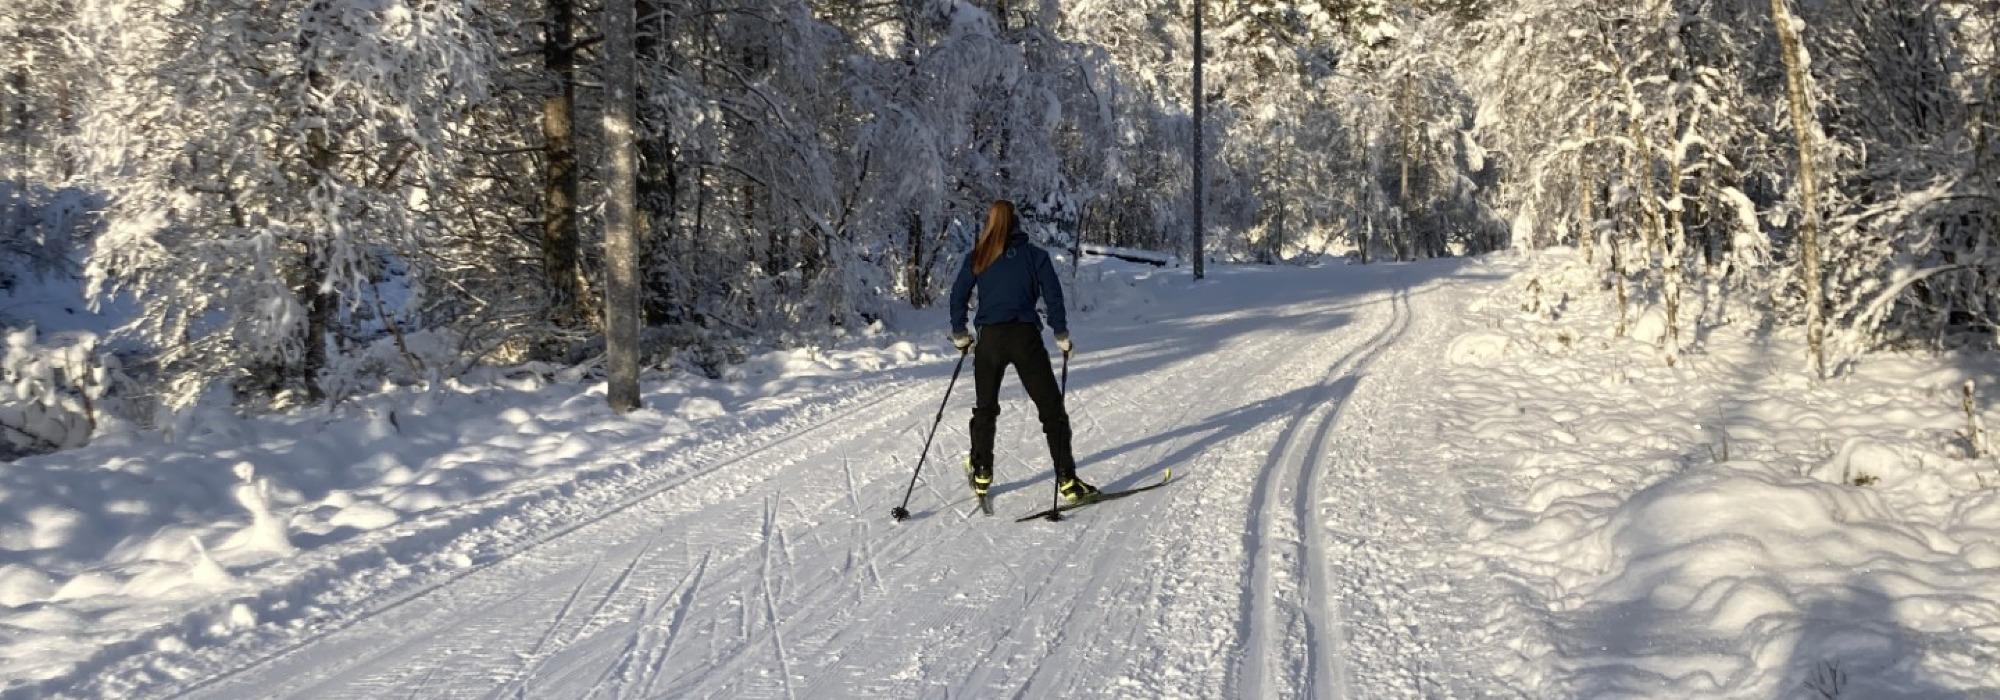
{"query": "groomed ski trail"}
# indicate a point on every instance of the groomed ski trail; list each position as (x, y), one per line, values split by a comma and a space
(776, 571)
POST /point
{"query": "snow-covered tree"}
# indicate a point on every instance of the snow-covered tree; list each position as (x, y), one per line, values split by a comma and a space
(1662, 138)
(285, 182)
(262, 159)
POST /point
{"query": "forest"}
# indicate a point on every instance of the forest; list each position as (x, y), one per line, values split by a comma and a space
(295, 202)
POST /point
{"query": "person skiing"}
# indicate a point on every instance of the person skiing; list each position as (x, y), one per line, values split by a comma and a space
(1011, 274)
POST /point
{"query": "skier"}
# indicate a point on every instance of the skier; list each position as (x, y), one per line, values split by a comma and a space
(1010, 274)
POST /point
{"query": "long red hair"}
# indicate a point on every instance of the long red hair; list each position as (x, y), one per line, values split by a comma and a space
(993, 240)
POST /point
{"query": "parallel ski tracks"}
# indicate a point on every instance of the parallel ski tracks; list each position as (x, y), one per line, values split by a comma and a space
(1109, 585)
(1297, 458)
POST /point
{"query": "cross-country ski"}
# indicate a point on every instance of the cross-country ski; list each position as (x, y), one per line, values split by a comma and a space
(1101, 497)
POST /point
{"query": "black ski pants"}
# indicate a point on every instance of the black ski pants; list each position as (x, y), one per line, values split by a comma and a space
(1019, 345)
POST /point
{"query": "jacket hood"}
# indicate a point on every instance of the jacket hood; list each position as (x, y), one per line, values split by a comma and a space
(1017, 236)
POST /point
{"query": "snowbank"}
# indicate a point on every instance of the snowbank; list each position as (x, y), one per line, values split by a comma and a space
(1725, 527)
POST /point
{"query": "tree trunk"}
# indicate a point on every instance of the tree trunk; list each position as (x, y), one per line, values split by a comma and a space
(320, 306)
(18, 128)
(659, 170)
(914, 278)
(1367, 238)
(1276, 253)
(621, 236)
(1619, 277)
(1676, 251)
(1639, 167)
(1406, 146)
(321, 155)
(1804, 129)
(1586, 194)
(1200, 155)
(19, 134)
(561, 265)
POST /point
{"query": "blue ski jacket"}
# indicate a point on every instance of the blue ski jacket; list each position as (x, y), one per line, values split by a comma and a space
(1009, 287)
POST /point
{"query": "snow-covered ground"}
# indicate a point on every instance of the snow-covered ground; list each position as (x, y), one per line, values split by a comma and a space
(1390, 481)
(1724, 528)
(222, 513)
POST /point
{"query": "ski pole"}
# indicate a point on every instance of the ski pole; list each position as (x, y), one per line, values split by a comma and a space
(902, 512)
(1055, 493)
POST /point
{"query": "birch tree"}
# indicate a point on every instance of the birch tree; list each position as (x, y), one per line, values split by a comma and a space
(1805, 129)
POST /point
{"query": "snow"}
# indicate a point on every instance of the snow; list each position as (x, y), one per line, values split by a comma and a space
(1478, 349)
(764, 525)
(144, 529)
(1727, 527)
(1440, 479)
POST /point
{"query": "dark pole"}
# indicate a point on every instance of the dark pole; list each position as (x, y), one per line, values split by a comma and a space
(1055, 494)
(1199, 154)
(902, 512)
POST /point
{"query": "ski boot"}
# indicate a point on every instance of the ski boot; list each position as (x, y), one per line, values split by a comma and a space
(1076, 490)
(982, 481)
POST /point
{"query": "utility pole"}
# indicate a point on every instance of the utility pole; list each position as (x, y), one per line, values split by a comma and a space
(1199, 154)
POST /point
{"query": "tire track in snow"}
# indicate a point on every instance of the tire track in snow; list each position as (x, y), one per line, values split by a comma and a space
(674, 625)
(610, 594)
(640, 655)
(1415, 604)
(825, 525)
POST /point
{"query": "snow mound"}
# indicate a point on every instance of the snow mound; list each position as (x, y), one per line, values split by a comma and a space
(1731, 580)
(1477, 349)
(700, 408)
(1650, 327)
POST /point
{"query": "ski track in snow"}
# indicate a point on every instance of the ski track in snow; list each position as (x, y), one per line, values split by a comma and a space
(775, 571)
(1311, 640)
